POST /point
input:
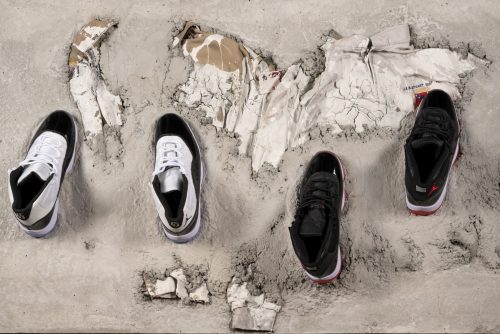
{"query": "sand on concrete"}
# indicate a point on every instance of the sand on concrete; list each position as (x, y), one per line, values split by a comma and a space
(402, 273)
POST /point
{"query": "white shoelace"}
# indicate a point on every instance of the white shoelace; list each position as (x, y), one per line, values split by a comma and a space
(45, 152)
(170, 156)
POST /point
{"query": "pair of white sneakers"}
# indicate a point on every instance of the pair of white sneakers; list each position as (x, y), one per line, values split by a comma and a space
(176, 183)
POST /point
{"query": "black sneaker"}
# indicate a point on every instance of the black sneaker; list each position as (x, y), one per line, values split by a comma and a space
(315, 230)
(177, 178)
(430, 151)
(35, 184)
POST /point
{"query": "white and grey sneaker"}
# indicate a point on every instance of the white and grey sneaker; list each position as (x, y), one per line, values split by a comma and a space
(34, 186)
(177, 178)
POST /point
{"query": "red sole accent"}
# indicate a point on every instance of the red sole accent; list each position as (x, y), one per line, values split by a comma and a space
(423, 213)
(459, 155)
(326, 281)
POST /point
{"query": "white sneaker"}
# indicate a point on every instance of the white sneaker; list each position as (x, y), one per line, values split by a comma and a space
(177, 179)
(34, 185)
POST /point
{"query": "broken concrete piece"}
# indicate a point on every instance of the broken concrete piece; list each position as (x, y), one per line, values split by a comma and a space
(174, 286)
(200, 295)
(165, 288)
(87, 86)
(251, 313)
(157, 288)
(149, 282)
(181, 282)
(254, 319)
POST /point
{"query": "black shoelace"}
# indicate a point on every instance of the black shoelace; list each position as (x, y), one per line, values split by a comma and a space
(316, 193)
(437, 127)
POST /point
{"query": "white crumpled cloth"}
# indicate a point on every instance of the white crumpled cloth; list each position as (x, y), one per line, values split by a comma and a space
(368, 82)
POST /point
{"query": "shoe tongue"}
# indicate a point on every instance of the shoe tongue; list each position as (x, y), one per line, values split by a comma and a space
(170, 180)
(314, 221)
(435, 113)
(42, 170)
(429, 143)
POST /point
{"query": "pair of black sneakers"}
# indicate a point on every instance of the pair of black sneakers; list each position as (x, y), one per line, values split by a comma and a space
(430, 151)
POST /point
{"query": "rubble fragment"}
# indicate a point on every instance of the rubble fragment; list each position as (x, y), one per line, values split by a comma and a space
(250, 313)
(200, 295)
(165, 288)
(174, 286)
(181, 282)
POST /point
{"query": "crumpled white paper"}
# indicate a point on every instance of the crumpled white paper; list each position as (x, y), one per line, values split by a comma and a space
(367, 83)
(87, 86)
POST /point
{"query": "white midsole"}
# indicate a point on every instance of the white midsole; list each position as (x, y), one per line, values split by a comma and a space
(439, 202)
(335, 272)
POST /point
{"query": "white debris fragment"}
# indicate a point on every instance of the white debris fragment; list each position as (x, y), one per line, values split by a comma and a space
(87, 86)
(157, 288)
(367, 83)
(110, 105)
(250, 313)
(174, 287)
(165, 288)
(200, 295)
(82, 87)
(149, 282)
(181, 282)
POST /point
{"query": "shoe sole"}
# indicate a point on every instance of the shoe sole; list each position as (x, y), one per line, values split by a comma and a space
(328, 278)
(338, 268)
(53, 219)
(183, 238)
(430, 209)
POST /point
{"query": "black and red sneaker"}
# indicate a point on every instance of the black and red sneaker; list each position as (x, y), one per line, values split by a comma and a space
(430, 151)
(315, 230)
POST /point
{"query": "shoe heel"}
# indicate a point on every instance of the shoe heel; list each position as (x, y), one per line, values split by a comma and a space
(334, 275)
(47, 229)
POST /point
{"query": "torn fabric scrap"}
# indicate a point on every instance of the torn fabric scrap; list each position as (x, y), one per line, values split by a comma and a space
(95, 102)
(229, 82)
(368, 82)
